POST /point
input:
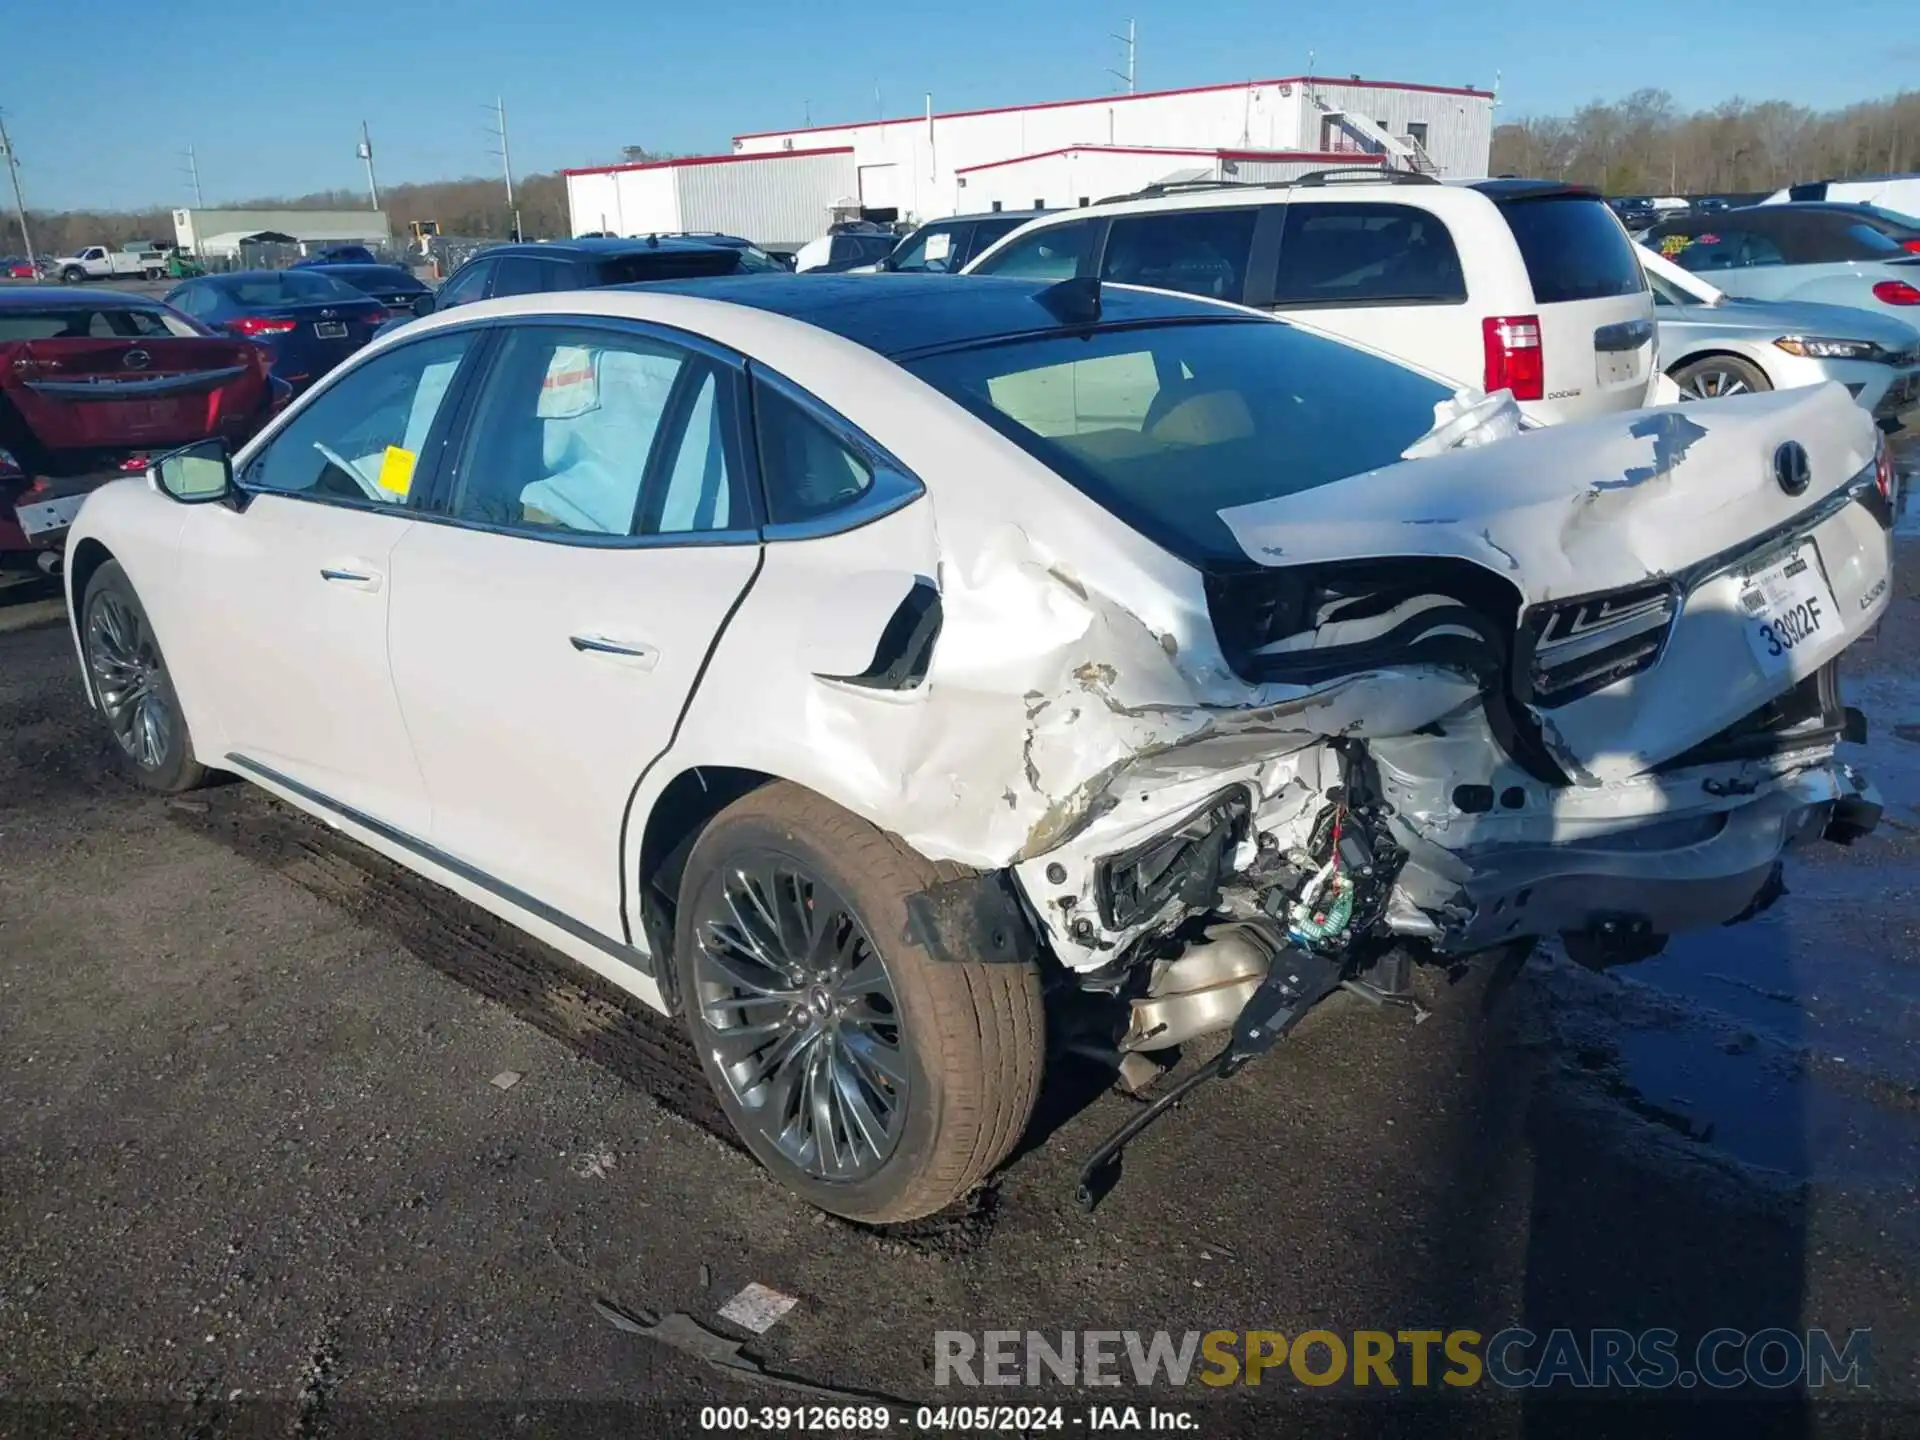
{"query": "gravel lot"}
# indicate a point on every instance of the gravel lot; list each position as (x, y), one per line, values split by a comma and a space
(255, 1176)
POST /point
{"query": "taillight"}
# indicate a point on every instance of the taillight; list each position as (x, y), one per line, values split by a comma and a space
(256, 325)
(1883, 469)
(1913, 245)
(1515, 360)
(378, 317)
(1896, 292)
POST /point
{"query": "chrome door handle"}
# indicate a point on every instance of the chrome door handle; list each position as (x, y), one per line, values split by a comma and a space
(623, 652)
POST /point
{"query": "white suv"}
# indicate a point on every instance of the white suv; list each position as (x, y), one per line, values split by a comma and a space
(1526, 285)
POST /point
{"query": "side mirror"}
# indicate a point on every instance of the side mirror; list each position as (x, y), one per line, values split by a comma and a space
(424, 304)
(199, 474)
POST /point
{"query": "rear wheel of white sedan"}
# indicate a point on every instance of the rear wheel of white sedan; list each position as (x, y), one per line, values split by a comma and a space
(1715, 376)
(132, 687)
(876, 1081)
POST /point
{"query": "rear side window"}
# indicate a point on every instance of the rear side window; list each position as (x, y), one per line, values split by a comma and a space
(524, 275)
(1357, 254)
(1872, 240)
(1198, 252)
(1573, 248)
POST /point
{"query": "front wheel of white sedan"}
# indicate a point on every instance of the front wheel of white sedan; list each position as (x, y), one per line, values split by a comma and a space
(131, 685)
(876, 1081)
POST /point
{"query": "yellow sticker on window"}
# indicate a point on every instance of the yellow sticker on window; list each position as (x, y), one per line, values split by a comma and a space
(396, 470)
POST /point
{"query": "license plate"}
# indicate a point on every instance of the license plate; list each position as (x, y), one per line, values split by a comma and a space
(49, 515)
(330, 329)
(1620, 367)
(1788, 607)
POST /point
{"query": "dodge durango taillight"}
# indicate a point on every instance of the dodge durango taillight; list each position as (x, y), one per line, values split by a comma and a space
(1515, 360)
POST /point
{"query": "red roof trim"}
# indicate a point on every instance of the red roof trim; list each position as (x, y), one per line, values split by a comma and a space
(1331, 157)
(686, 160)
(1290, 156)
(1123, 99)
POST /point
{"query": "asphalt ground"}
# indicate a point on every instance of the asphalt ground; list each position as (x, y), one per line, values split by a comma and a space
(256, 1176)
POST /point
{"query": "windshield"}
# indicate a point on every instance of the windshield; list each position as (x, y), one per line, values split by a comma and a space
(1893, 217)
(376, 277)
(105, 322)
(1166, 425)
(285, 287)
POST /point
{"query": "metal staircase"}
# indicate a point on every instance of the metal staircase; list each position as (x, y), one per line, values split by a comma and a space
(1403, 151)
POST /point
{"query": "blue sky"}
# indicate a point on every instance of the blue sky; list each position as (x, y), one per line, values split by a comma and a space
(271, 93)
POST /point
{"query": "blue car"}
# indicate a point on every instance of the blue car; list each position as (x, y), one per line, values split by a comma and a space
(1829, 254)
(310, 321)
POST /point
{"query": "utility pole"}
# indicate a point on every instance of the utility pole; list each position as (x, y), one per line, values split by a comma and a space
(193, 176)
(1128, 41)
(499, 108)
(19, 200)
(366, 154)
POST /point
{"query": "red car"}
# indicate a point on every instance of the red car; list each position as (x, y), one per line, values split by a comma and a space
(94, 385)
(21, 270)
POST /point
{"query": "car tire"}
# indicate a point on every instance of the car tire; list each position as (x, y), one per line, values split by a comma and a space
(1713, 376)
(73, 275)
(132, 688)
(944, 1056)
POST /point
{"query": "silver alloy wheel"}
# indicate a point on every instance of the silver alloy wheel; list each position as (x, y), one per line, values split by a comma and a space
(798, 1013)
(129, 680)
(1713, 382)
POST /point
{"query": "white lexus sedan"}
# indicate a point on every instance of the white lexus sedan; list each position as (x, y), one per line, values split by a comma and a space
(871, 670)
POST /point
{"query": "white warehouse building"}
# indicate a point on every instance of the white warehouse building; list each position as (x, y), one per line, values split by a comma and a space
(783, 186)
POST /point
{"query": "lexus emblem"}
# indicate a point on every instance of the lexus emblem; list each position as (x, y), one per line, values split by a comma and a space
(1791, 468)
(136, 360)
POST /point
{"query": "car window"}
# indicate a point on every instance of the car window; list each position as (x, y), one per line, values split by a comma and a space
(991, 232)
(1875, 241)
(663, 264)
(467, 285)
(572, 422)
(1348, 253)
(284, 287)
(1200, 252)
(1052, 253)
(1724, 248)
(193, 299)
(76, 322)
(694, 490)
(1573, 247)
(808, 470)
(1166, 425)
(361, 438)
(527, 275)
(936, 249)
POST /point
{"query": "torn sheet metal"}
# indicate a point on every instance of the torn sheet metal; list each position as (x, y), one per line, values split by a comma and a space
(1470, 419)
(1574, 509)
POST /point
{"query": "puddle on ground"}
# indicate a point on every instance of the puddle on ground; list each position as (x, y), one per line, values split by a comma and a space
(1792, 1042)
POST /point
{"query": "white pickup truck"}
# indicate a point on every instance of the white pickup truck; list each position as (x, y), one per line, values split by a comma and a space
(97, 262)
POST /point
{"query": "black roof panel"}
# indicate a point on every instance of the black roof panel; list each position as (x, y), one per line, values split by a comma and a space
(896, 314)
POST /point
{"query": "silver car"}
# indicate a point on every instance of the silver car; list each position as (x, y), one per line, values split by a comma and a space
(1713, 344)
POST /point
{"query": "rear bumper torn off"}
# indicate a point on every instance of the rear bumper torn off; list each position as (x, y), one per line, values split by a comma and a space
(1679, 872)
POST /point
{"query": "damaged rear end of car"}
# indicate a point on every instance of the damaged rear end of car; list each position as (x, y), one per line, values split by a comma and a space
(1581, 682)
